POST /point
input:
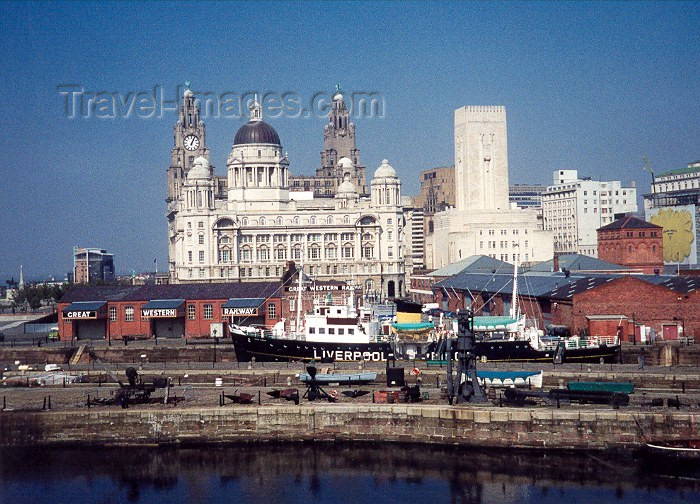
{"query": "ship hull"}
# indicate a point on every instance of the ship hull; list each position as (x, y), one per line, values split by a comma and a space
(522, 351)
(286, 350)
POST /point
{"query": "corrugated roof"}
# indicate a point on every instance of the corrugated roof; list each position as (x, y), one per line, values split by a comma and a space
(163, 304)
(244, 303)
(84, 306)
(175, 291)
(576, 262)
(474, 264)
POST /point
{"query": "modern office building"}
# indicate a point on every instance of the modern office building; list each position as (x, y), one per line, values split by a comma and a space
(92, 265)
(574, 208)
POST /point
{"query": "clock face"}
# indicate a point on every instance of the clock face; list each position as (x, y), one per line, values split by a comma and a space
(191, 142)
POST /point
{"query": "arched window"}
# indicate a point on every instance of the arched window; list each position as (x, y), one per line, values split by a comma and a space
(296, 220)
(223, 223)
(331, 252)
(281, 253)
(312, 221)
(244, 222)
(329, 219)
(346, 219)
(246, 253)
(262, 221)
(314, 252)
(263, 254)
(296, 252)
(279, 221)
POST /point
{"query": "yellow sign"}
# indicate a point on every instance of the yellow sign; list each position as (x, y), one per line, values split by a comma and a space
(678, 233)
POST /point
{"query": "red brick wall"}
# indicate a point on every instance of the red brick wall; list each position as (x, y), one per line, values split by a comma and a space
(643, 302)
(141, 328)
(643, 249)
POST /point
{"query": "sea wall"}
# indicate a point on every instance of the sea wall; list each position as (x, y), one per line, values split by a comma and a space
(477, 426)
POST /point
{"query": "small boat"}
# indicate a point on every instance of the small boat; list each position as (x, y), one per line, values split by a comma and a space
(344, 379)
(683, 449)
(531, 379)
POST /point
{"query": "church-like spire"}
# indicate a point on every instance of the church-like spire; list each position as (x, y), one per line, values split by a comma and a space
(256, 110)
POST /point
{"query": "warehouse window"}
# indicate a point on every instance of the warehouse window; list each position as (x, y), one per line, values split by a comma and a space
(112, 313)
(271, 311)
(129, 313)
(208, 312)
(191, 312)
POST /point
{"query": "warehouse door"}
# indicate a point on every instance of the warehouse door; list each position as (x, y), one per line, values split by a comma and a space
(670, 332)
(169, 327)
(90, 329)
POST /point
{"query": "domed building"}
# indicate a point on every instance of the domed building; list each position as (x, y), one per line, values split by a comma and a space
(247, 225)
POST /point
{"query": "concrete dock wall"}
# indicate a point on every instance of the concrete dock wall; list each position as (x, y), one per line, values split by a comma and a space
(497, 427)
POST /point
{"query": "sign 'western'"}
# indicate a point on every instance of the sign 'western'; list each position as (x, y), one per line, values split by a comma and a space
(158, 312)
(238, 312)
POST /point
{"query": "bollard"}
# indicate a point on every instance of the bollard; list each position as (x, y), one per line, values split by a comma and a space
(88, 402)
(264, 381)
(259, 402)
(64, 382)
(179, 383)
(500, 399)
(683, 384)
(49, 402)
(44, 407)
(4, 403)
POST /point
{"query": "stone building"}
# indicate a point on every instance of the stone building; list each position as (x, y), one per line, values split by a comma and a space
(340, 157)
(437, 189)
(483, 221)
(251, 232)
(632, 242)
(574, 208)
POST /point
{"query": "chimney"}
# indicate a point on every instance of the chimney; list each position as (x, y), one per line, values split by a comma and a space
(555, 266)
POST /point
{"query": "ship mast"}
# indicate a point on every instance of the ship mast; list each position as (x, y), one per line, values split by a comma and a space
(514, 302)
(299, 274)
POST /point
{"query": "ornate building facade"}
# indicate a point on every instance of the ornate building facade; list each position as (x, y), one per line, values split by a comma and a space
(340, 157)
(249, 229)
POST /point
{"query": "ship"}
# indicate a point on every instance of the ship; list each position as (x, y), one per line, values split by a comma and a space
(330, 332)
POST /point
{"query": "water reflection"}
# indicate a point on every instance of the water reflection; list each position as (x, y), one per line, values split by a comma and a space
(336, 473)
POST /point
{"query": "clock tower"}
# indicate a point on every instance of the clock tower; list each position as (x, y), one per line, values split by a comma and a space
(190, 143)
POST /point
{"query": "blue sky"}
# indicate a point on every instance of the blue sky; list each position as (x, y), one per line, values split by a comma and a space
(591, 85)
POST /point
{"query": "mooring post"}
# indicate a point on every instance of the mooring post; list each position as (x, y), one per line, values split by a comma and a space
(259, 401)
(49, 402)
(88, 401)
(44, 407)
(4, 403)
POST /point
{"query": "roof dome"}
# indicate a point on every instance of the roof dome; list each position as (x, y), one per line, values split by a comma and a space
(344, 162)
(346, 186)
(385, 170)
(338, 96)
(256, 132)
(188, 92)
(200, 169)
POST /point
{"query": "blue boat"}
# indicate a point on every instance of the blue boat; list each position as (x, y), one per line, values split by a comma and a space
(342, 379)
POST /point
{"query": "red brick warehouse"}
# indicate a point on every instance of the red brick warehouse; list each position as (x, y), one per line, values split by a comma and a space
(166, 311)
